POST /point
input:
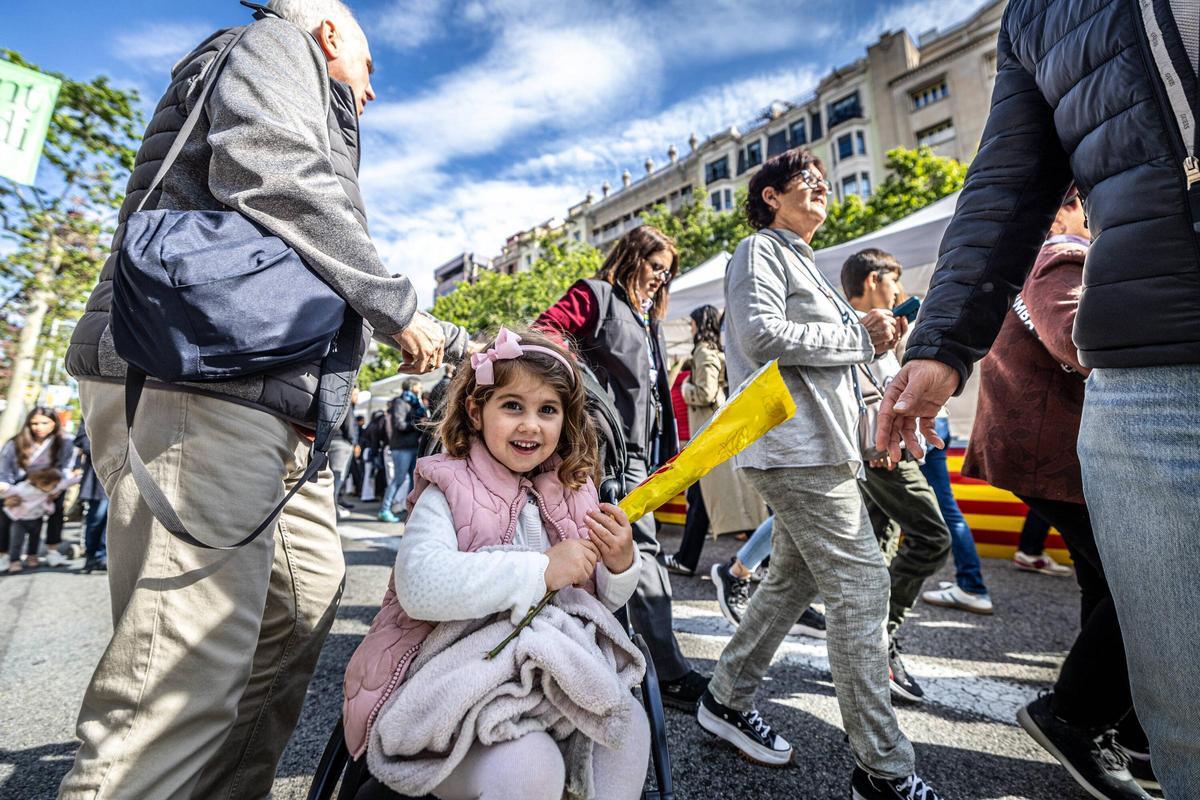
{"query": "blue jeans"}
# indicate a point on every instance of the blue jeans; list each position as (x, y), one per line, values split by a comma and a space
(94, 525)
(967, 573)
(758, 546)
(404, 461)
(1139, 445)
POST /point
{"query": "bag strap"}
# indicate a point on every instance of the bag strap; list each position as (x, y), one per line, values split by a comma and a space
(193, 117)
(160, 506)
(1177, 94)
(848, 312)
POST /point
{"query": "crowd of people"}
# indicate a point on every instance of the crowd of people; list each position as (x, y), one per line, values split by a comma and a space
(1087, 412)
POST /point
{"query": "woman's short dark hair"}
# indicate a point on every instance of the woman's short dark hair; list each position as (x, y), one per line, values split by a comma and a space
(708, 325)
(779, 172)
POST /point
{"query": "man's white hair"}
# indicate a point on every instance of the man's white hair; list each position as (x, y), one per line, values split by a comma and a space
(309, 14)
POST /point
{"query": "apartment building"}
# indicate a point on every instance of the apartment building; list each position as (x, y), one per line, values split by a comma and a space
(463, 268)
(934, 91)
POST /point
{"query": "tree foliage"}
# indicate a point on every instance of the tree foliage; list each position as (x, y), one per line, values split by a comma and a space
(58, 230)
(699, 230)
(916, 178)
(496, 299)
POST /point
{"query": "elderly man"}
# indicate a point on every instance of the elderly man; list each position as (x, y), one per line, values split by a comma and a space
(212, 651)
(1105, 93)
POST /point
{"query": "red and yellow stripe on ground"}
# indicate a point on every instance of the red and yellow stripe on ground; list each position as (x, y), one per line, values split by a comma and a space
(994, 515)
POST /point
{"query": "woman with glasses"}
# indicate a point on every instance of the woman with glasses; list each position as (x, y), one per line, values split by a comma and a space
(614, 320)
(779, 306)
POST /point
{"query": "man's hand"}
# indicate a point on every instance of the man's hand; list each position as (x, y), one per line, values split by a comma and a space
(613, 536)
(885, 329)
(571, 564)
(423, 344)
(915, 396)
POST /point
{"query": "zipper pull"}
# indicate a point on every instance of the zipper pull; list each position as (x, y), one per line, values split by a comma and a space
(1191, 168)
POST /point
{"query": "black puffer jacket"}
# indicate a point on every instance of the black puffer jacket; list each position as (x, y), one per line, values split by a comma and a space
(1077, 96)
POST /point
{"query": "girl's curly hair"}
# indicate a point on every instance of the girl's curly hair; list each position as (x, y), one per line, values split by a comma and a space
(577, 446)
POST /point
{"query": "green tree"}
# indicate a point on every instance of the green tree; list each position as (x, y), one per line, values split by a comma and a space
(916, 178)
(699, 230)
(59, 229)
(495, 299)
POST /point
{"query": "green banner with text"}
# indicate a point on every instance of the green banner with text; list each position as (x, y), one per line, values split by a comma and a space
(26, 106)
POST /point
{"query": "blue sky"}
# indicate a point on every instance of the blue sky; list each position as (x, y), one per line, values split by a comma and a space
(494, 115)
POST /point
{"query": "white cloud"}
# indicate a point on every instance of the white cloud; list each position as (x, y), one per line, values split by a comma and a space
(154, 47)
(408, 24)
(918, 17)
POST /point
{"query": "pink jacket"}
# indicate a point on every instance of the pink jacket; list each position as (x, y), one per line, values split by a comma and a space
(485, 500)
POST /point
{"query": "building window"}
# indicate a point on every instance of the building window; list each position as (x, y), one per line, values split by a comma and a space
(750, 156)
(849, 107)
(929, 94)
(799, 132)
(816, 126)
(777, 143)
(833, 152)
(715, 199)
(849, 185)
(938, 134)
(861, 141)
(716, 170)
(685, 191)
(577, 236)
(845, 147)
(864, 183)
(729, 199)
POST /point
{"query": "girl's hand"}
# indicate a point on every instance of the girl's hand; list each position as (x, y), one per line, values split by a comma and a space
(613, 535)
(12, 502)
(571, 564)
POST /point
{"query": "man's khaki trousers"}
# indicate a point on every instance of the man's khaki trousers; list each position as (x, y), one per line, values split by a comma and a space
(212, 651)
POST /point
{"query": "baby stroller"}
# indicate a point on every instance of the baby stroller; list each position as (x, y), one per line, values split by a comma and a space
(335, 762)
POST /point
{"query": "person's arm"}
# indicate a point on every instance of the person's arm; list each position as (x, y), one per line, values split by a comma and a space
(573, 315)
(1052, 297)
(9, 471)
(759, 291)
(614, 590)
(269, 136)
(1013, 189)
(703, 388)
(435, 581)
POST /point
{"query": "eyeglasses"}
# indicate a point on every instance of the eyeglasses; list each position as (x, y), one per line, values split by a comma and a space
(812, 181)
(663, 274)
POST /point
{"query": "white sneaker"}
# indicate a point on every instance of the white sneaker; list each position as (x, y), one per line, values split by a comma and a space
(1043, 564)
(4, 562)
(343, 513)
(950, 596)
(55, 558)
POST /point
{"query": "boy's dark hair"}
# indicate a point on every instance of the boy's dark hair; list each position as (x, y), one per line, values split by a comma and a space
(410, 385)
(779, 172)
(864, 263)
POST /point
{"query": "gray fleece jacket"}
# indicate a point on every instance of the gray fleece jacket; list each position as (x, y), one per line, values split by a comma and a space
(777, 308)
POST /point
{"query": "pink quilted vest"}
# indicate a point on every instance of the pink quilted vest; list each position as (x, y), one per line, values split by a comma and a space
(485, 501)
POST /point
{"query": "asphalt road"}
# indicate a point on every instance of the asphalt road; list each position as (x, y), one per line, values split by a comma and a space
(977, 671)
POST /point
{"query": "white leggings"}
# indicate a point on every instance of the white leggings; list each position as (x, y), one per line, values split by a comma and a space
(532, 768)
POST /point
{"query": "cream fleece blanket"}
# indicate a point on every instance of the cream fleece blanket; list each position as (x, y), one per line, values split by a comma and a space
(569, 673)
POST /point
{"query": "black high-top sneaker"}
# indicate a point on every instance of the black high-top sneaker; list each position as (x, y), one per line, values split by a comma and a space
(903, 684)
(865, 786)
(733, 593)
(745, 730)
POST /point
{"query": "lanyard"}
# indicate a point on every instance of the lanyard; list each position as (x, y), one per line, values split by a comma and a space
(1182, 109)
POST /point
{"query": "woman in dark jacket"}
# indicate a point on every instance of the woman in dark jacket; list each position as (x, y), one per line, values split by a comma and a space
(40, 444)
(615, 321)
(1024, 440)
(95, 522)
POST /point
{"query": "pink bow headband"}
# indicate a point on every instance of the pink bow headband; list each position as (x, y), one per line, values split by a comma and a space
(508, 346)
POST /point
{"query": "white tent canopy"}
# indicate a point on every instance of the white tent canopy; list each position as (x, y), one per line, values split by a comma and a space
(913, 240)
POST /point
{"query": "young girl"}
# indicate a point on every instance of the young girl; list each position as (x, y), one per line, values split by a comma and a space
(520, 453)
(39, 445)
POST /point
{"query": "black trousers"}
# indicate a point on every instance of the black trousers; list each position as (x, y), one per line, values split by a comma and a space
(650, 606)
(1033, 534)
(695, 530)
(1093, 687)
